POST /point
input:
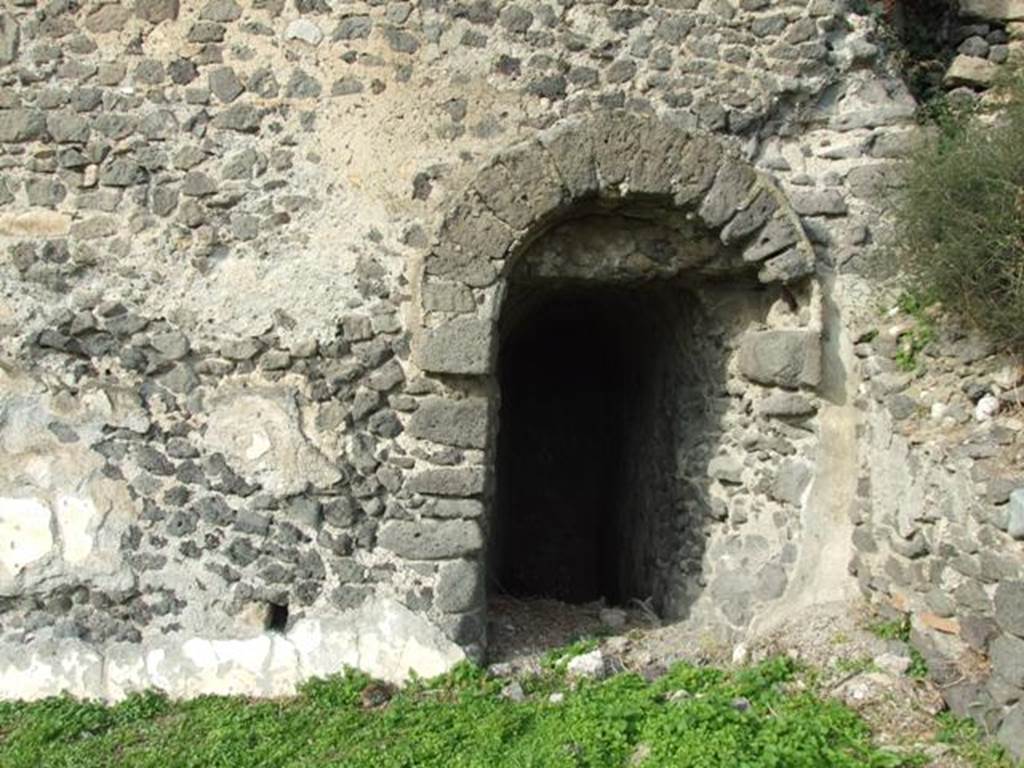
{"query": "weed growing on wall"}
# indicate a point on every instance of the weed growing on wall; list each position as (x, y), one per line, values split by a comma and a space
(960, 223)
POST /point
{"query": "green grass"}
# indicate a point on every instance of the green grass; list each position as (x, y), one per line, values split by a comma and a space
(969, 743)
(914, 342)
(893, 629)
(459, 721)
(899, 629)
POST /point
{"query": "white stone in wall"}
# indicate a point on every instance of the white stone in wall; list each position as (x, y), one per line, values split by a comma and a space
(266, 665)
(34, 223)
(25, 537)
(382, 638)
(971, 71)
(1003, 10)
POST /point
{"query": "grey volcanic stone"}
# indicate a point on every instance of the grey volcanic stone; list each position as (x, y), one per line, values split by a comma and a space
(446, 296)
(786, 404)
(206, 32)
(791, 480)
(462, 346)
(241, 117)
(1009, 605)
(67, 127)
(221, 10)
(448, 481)
(122, 173)
(467, 508)
(303, 85)
(784, 358)
(1011, 732)
(818, 202)
(353, 28)
(429, 540)
(1015, 515)
(788, 267)
(1007, 655)
(17, 125)
(461, 423)
(459, 586)
(401, 41)
(730, 188)
(198, 184)
(155, 11)
(225, 84)
(9, 38)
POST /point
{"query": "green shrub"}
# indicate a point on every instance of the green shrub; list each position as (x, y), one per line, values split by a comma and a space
(960, 222)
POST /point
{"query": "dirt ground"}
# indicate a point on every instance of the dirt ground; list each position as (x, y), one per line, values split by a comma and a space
(854, 665)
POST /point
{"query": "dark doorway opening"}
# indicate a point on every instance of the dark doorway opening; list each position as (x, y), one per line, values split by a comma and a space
(585, 461)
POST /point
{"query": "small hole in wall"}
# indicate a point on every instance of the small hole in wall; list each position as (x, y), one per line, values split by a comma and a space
(278, 620)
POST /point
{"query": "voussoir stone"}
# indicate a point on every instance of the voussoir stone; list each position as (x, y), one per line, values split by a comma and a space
(658, 165)
(727, 194)
(698, 166)
(616, 142)
(785, 358)
(569, 146)
(462, 346)
(788, 267)
(431, 540)
(751, 218)
(471, 236)
(777, 235)
(461, 423)
(520, 187)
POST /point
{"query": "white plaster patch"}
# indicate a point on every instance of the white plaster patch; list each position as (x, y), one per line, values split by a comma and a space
(277, 455)
(259, 444)
(47, 669)
(25, 535)
(76, 519)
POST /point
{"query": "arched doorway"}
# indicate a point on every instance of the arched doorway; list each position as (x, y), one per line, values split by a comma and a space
(592, 292)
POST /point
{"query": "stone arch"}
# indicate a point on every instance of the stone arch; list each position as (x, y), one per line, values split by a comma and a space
(610, 163)
(613, 159)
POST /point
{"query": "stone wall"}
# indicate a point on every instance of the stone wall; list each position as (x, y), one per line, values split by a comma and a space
(940, 524)
(254, 262)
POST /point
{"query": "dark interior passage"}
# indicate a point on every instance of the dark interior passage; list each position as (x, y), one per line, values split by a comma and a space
(581, 462)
